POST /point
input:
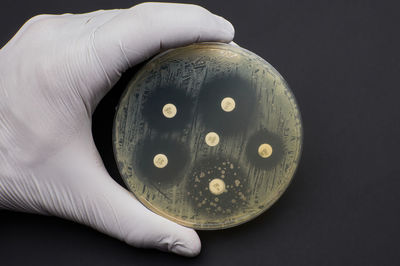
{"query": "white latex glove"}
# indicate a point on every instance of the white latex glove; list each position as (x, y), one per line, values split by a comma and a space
(53, 73)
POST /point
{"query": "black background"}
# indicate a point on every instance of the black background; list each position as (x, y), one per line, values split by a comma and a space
(343, 208)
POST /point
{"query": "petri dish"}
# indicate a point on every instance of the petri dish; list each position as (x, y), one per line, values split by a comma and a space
(207, 135)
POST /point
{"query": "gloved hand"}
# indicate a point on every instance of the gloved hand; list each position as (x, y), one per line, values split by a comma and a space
(53, 73)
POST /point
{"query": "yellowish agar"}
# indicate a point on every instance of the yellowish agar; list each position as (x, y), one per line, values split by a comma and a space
(160, 160)
(265, 150)
(243, 173)
(169, 110)
(217, 186)
(228, 104)
(212, 139)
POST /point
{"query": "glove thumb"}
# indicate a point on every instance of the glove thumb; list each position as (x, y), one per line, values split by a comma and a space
(119, 214)
(90, 196)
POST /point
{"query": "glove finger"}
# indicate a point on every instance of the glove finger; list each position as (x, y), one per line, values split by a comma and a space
(92, 20)
(143, 30)
(97, 18)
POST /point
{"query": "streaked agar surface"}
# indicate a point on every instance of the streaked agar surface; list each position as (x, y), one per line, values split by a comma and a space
(208, 135)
